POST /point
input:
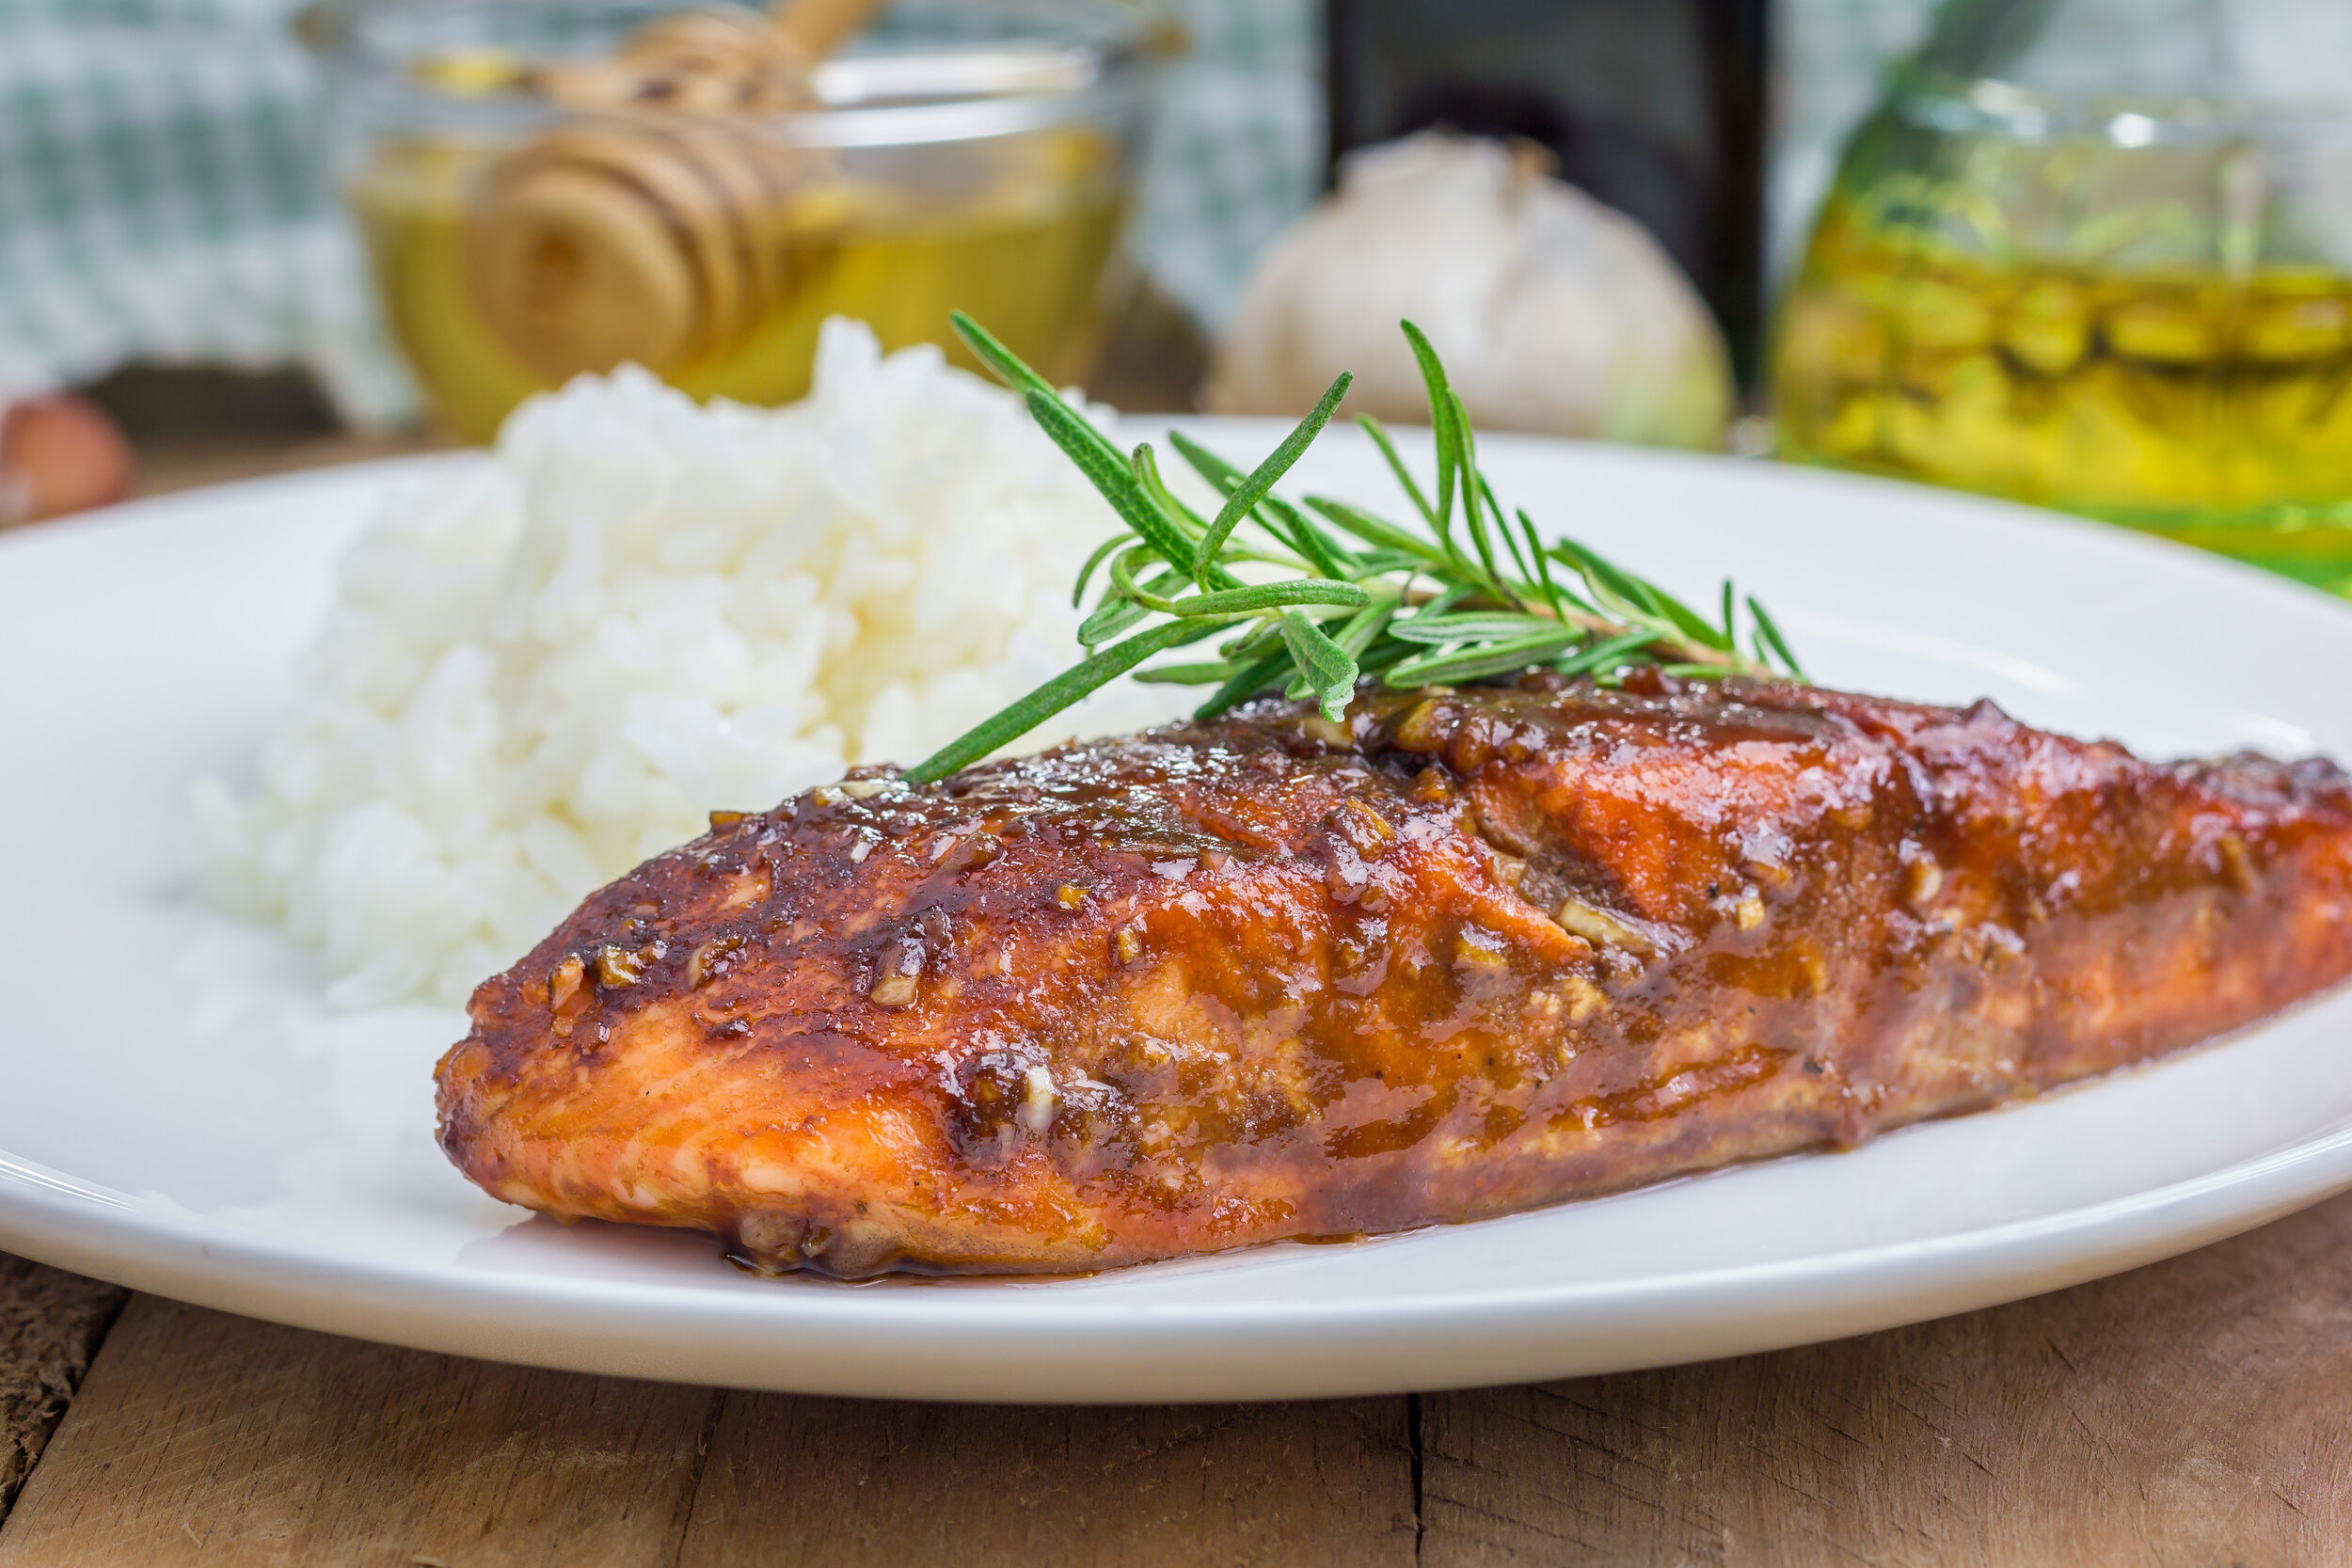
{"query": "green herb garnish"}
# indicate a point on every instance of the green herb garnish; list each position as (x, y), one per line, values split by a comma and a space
(1335, 594)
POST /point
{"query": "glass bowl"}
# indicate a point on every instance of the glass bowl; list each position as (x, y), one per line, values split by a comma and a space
(961, 154)
(2098, 256)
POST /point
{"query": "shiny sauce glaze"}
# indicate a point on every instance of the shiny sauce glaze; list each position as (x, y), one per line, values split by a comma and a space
(1466, 953)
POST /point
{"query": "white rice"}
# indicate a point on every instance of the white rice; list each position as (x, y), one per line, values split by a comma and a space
(551, 662)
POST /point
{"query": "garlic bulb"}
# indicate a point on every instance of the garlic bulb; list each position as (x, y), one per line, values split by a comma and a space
(1554, 313)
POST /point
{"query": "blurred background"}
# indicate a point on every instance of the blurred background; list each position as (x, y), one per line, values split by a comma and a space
(2093, 253)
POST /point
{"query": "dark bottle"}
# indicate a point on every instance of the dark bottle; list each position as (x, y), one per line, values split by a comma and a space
(1654, 107)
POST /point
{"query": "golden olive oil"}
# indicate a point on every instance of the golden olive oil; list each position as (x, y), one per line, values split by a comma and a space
(2214, 407)
(1022, 240)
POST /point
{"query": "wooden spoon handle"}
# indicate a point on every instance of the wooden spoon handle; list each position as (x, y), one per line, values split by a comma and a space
(658, 231)
(818, 28)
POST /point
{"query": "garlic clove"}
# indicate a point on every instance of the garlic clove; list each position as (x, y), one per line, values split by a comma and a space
(1556, 314)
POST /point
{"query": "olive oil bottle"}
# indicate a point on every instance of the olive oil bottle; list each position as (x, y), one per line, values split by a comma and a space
(2209, 407)
(2128, 296)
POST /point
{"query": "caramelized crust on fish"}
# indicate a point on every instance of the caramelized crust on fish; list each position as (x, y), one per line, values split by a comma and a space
(1469, 953)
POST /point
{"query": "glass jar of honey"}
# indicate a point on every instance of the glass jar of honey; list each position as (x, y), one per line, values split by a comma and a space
(525, 223)
(2097, 254)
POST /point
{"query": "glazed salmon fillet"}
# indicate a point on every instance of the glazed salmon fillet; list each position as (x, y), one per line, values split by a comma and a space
(1273, 976)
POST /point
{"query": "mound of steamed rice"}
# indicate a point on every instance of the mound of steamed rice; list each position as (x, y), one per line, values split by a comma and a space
(547, 662)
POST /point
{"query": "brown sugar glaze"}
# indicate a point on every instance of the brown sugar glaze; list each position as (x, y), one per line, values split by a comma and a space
(1469, 953)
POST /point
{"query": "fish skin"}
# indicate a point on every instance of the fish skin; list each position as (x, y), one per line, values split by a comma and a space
(1473, 952)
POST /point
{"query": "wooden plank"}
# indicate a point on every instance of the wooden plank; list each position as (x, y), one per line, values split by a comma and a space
(202, 1438)
(51, 1322)
(169, 466)
(908, 1485)
(2195, 1411)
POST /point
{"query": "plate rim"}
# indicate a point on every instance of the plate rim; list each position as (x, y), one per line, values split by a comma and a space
(851, 1341)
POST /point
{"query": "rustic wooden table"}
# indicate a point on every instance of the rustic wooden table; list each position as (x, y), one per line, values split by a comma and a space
(2199, 1411)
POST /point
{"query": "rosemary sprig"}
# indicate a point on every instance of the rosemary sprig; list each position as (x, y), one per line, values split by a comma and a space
(1477, 597)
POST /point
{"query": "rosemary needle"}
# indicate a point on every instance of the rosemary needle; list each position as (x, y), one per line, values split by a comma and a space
(1374, 600)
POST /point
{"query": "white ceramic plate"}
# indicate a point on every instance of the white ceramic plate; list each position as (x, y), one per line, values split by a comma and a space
(177, 1111)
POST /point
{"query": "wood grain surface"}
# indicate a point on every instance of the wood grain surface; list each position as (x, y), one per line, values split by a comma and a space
(2196, 1412)
(50, 1326)
(203, 1438)
(887, 1485)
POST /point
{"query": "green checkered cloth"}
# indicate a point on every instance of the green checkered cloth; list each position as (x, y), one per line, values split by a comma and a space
(163, 194)
(1238, 149)
(161, 199)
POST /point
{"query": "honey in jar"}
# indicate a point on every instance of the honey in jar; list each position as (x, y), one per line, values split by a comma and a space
(1026, 250)
(548, 187)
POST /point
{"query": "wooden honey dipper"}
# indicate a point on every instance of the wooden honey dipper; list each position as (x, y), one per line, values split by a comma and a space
(654, 227)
